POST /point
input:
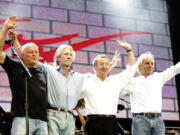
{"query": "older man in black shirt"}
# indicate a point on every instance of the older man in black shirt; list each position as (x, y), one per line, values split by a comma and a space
(37, 86)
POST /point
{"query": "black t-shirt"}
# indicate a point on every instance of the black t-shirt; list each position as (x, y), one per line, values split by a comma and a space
(37, 89)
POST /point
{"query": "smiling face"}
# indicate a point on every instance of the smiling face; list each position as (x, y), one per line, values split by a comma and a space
(30, 55)
(65, 58)
(147, 67)
(102, 66)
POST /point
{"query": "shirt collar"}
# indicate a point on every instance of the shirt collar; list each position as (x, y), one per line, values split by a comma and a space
(59, 69)
(98, 79)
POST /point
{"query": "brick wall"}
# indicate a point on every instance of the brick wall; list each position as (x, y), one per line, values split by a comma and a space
(92, 19)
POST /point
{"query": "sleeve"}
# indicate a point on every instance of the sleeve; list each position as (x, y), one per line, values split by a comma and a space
(126, 75)
(8, 64)
(170, 72)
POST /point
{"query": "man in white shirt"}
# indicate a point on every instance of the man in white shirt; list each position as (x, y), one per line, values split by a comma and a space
(146, 96)
(101, 94)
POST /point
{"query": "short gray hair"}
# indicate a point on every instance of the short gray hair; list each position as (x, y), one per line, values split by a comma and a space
(27, 45)
(142, 57)
(59, 51)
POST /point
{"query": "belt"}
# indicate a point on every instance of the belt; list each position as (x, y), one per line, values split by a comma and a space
(147, 114)
(60, 109)
(101, 116)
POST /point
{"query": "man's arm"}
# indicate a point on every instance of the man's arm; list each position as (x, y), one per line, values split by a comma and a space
(16, 44)
(81, 117)
(127, 47)
(10, 23)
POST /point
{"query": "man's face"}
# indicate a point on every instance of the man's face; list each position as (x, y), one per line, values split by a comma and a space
(147, 67)
(102, 66)
(65, 58)
(31, 56)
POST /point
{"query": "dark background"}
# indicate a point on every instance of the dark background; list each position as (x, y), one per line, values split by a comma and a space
(173, 17)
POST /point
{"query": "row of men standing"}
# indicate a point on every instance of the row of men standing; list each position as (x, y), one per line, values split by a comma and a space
(53, 92)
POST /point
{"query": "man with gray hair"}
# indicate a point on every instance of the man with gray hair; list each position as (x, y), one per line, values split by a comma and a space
(37, 89)
(146, 96)
(64, 91)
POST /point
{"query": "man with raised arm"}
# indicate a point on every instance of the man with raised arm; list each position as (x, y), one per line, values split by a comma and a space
(37, 86)
(146, 96)
(101, 94)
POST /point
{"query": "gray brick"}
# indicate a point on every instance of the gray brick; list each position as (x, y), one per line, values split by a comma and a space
(159, 16)
(146, 26)
(169, 92)
(177, 108)
(168, 104)
(150, 4)
(81, 57)
(34, 2)
(170, 115)
(34, 25)
(142, 14)
(86, 18)
(117, 22)
(162, 40)
(167, 28)
(100, 31)
(68, 4)
(5, 94)
(15, 9)
(158, 52)
(161, 65)
(102, 8)
(50, 13)
(67, 28)
(170, 54)
(82, 68)
(139, 39)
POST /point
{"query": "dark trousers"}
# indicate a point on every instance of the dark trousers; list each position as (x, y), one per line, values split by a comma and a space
(101, 125)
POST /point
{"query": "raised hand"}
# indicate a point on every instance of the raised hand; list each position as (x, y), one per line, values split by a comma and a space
(10, 23)
(12, 34)
(124, 44)
(115, 59)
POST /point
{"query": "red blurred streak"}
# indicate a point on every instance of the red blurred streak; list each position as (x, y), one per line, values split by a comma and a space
(48, 55)
(83, 44)
(18, 20)
(47, 41)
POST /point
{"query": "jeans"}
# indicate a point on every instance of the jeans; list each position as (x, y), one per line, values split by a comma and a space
(144, 125)
(60, 123)
(36, 126)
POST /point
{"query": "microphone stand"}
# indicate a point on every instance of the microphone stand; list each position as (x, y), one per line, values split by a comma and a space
(124, 131)
(26, 75)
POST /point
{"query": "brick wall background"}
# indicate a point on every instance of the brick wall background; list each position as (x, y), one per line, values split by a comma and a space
(95, 18)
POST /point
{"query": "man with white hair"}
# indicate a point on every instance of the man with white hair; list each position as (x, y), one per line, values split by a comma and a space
(37, 86)
(64, 91)
(146, 96)
(101, 94)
